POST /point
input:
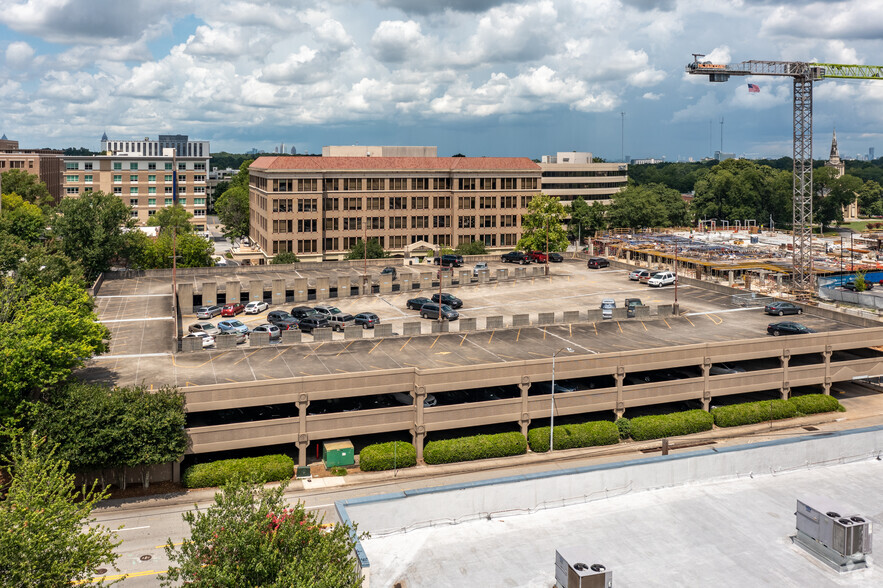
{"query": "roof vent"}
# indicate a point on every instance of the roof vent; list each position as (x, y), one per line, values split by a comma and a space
(841, 542)
(572, 572)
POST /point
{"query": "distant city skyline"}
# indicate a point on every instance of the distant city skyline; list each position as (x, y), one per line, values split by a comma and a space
(483, 77)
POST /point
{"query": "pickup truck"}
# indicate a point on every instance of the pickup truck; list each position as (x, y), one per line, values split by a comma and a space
(515, 257)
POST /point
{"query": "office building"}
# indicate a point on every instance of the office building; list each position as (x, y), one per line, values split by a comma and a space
(7, 144)
(573, 173)
(319, 207)
(46, 164)
(182, 144)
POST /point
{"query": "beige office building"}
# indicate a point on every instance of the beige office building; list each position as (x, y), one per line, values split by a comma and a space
(572, 173)
(318, 207)
(46, 164)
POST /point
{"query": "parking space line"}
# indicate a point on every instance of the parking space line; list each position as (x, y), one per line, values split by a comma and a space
(570, 326)
(491, 337)
(711, 317)
(619, 325)
(246, 357)
(266, 377)
(209, 360)
(544, 334)
(229, 380)
(463, 339)
(186, 384)
(518, 335)
(379, 342)
(342, 371)
(643, 325)
(666, 323)
(345, 348)
(434, 342)
(406, 343)
(314, 350)
(594, 326)
(689, 321)
(280, 353)
(448, 362)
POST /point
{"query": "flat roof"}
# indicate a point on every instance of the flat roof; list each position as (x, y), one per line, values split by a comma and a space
(435, 164)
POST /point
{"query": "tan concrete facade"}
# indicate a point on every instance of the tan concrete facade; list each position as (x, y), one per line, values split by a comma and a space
(320, 207)
(568, 175)
(43, 163)
(143, 183)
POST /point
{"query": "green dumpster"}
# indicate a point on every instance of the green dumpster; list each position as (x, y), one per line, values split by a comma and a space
(338, 453)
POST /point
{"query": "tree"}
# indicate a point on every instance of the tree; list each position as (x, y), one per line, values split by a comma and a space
(737, 189)
(284, 257)
(92, 229)
(870, 199)
(543, 223)
(651, 205)
(146, 252)
(22, 219)
(43, 338)
(831, 194)
(232, 206)
(471, 248)
(375, 251)
(28, 186)
(219, 189)
(585, 219)
(248, 537)
(172, 216)
(49, 537)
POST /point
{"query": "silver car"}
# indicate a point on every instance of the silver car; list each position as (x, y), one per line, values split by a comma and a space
(341, 320)
(481, 265)
(204, 327)
(207, 312)
(607, 306)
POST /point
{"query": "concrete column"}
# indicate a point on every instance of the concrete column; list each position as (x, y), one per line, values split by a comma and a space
(303, 438)
(502, 274)
(409, 329)
(545, 318)
(185, 298)
(447, 279)
(234, 290)
(786, 384)
(176, 471)
(620, 404)
(419, 431)
(484, 276)
(520, 320)
(441, 327)
(706, 389)
(386, 284)
(352, 332)
(732, 279)
(291, 336)
(259, 339)
(209, 293)
(322, 288)
(405, 280)
(467, 324)
(365, 284)
(255, 290)
(189, 344)
(425, 280)
(324, 334)
(524, 421)
(277, 295)
(343, 286)
(300, 289)
(520, 273)
(493, 322)
(571, 316)
(465, 277)
(594, 315)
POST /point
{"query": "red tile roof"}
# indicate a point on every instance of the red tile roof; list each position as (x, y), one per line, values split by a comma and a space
(316, 163)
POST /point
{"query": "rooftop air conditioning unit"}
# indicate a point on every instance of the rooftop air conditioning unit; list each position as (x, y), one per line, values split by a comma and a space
(833, 533)
(572, 572)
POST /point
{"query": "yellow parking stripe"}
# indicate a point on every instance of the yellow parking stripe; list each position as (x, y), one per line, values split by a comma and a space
(246, 357)
(643, 325)
(314, 350)
(463, 340)
(491, 337)
(518, 335)
(594, 326)
(666, 323)
(375, 347)
(403, 346)
(434, 342)
(348, 346)
(689, 321)
(619, 325)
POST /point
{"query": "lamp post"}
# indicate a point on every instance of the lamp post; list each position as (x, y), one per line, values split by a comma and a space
(552, 411)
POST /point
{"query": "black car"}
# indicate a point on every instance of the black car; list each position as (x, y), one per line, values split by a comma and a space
(417, 303)
(302, 312)
(515, 257)
(850, 285)
(781, 308)
(389, 271)
(597, 263)
(788, 328)
(308, 324)
(282, 319)
(367, 319)
(555, 257)
(448, 299)
(449, 260)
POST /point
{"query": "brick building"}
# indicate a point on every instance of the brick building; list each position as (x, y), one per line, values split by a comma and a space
(46, 164)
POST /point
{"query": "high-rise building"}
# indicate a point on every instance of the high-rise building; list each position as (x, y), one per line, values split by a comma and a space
(870, 154)
(182, 144)
(574, 173)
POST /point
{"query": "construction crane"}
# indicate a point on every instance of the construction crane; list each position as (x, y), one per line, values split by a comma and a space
(803, 75)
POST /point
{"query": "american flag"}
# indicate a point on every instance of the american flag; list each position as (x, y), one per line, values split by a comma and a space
(753, 88)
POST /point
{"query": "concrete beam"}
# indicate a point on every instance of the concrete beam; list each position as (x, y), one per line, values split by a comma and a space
(545, 318)
(493, 322)
(383, 330)
(520, 320)
(571, 316)
(467, 324)
(185, 298)
(277, 295)
(410, 329)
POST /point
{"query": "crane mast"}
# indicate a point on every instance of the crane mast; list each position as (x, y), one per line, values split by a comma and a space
(803, 75)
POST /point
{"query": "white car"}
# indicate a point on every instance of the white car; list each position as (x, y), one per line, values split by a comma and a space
(255, 307)
(481, 265)
(207, 340)
(662, 279)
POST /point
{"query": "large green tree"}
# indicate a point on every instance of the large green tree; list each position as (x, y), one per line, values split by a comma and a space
(172, 216)
(232, 207)
(22, 219)
(250, 537)
(651, 205)
(543, 223)
(471, 248)
(284, 257)
(49, 537)
(586, 219)
(146, 252)
(738, 189)
(374, 250)
(92, 229)
(28, 186)
(870, 199)
(831, 194)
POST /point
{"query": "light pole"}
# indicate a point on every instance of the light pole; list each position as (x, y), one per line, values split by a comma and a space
(676, 275)
(552, 412)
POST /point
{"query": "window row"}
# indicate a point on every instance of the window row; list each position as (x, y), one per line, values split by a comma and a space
(383, 184)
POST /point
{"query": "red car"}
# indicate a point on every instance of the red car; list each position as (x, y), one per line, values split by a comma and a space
(232, 309)
(538, 256)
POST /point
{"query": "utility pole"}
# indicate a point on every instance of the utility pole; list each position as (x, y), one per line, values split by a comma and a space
(675, 309)
(547, 246)
(365, 253)
(622, 137)
(722, 137)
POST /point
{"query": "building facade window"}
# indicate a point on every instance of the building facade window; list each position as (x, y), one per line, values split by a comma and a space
(70, 165)
(420, 202)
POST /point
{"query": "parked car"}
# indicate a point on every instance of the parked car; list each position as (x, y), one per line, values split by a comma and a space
(850, 285)
(417, 303)
(481, 265)
(448, 299)
(538, 257)
(310, 323)
(282, 319)
(207, 312)
(630, 304)
(408, 400)
(447, 270)
(233, 326)
(432, 310)
(597, 263)
(718, 369)
(638, 274)
(341, 320)
(368, 320)
(256, 307)
(327, 311)
(788, 328)
(232, 309)
(237, 337)
(452, 260)
(207, 340)
(607, 306)
(274, 331)
(300, 312)
(645, 278)
(515, 257)
(207, 328)
(781, 308)
(662, 279)
(555, 257)
(389, 271)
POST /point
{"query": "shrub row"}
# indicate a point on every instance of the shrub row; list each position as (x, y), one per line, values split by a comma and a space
(387, 456)
(749, 413)
(476, 447)
(588, 434)
(670, 425)
(267, 468)
(815, 403)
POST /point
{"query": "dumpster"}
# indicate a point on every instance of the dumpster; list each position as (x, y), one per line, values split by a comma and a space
(338, 453)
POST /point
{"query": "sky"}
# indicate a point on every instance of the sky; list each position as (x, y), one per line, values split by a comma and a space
(477, 77)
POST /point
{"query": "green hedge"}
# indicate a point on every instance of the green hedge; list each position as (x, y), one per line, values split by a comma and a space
(472, 448)
(267, 468)
(670, 425)
(624, 427)
(749, 413)
(387, 456)
(814, 403)
(569, 436)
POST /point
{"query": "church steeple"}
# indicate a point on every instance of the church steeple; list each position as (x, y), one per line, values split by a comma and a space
(835, 153)
(104, 137)
(3, 138)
